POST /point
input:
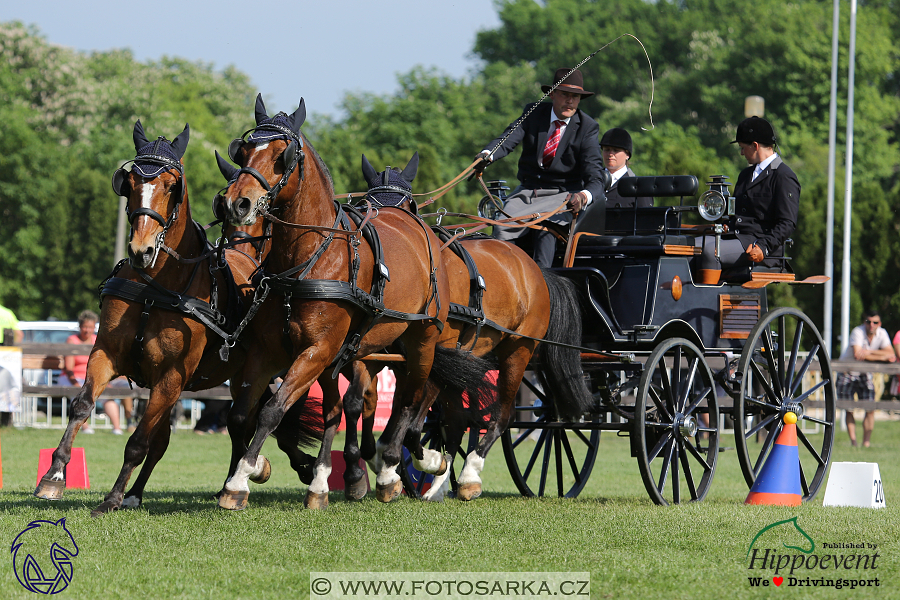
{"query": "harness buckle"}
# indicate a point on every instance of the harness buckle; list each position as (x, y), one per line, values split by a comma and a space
(441, 212)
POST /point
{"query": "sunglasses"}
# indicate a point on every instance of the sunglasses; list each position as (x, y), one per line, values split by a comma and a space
(873, 322)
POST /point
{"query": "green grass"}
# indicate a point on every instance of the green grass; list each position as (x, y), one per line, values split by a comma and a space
(179, 545)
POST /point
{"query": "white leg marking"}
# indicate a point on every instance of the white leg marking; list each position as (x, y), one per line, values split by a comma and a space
(473, 467)
(238, 481)
(319, 484)
(388, 475)
(58, 476)
(439, 488)
(131, 502)
(260, 465)
(377, 463)
(431, 461)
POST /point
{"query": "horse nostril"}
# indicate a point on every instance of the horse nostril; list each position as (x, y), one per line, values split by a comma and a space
(242, 207)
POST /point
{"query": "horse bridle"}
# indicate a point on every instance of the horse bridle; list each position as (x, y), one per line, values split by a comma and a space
(387, 186)
(293, 156)
(118, 185)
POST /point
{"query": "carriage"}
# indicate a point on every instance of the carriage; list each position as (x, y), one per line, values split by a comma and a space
(670, 361)
(652, 353)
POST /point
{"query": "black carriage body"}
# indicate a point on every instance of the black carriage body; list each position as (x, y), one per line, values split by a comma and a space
(640, 294)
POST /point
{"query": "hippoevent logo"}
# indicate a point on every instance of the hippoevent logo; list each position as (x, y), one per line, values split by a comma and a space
(42, 556)
(795, 562)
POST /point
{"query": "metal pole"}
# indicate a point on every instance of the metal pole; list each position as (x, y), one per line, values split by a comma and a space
(845, 265)
(829, 219)
(120, 224)
(120, 230)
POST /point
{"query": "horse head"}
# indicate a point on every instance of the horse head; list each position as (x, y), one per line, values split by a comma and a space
(269, 153)
(155, 190)
(391, 187)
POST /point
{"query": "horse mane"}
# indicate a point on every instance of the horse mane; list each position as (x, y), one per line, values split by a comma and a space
(319, 162)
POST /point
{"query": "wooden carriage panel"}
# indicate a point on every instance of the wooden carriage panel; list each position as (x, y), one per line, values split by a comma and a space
(738, 313)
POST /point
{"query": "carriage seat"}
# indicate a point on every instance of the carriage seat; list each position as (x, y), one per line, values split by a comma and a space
(591, 232)
(775, 268)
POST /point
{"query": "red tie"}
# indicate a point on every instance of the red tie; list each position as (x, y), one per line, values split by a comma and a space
(552, 143)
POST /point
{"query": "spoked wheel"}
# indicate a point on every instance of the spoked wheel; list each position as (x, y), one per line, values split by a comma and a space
(548, 456)
(675, 432)
(774, 369)
(416, 483)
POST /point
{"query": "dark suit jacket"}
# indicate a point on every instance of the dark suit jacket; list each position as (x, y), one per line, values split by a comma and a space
(613, 199)
(766, 209)
(577, 164)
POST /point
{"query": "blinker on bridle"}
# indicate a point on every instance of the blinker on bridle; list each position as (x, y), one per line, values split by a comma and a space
(119, 188)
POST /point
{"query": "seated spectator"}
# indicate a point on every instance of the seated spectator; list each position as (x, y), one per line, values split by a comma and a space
(868, 341)
(75, 369)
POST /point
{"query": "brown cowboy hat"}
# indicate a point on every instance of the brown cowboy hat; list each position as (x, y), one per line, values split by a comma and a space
(574, 83)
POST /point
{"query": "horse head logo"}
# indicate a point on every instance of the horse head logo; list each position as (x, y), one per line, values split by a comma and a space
(30, 552)
(790, 526)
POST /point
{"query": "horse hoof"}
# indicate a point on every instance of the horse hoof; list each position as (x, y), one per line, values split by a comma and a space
(316, 501)
(387, 493)
(264, 473)
(468, 491)
(49, 489)
(445, 463)
(356, 490)
(233, 500)
(108, 506)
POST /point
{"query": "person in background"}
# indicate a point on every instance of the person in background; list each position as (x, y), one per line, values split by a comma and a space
(213, 417)
(616, 147)
(76, 367)
(560, 161)
(8, 320)
(868, 341)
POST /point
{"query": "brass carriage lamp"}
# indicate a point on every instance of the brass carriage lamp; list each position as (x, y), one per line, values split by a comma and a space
(754, 106)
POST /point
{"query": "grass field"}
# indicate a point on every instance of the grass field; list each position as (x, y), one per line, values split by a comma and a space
(180, 545)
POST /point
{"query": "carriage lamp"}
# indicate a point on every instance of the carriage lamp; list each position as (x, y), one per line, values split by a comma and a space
(716, 202)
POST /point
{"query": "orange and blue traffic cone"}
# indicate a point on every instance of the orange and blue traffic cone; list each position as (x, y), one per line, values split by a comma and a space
(778, 482)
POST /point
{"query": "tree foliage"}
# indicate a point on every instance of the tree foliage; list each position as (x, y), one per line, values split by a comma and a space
(68, 119)
(68, 116)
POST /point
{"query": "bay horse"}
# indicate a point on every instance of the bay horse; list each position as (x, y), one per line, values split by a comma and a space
(381, 283)
(164, 317)
(501, 303)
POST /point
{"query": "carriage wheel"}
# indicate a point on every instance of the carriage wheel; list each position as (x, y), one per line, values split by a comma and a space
(772, 370)
(675, 448)
(562, 456)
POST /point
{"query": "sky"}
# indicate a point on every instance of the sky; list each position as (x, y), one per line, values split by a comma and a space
(315, 50)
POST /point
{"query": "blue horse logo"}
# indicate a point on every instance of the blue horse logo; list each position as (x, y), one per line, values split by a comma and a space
(30, 549)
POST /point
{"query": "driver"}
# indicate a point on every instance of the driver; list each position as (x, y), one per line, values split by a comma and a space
(560, 161)
(767, 200)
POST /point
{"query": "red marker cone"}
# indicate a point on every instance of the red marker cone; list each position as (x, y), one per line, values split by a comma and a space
(778, 482)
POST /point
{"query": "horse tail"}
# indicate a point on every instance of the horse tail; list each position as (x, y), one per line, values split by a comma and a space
(459, 373)
(302, 425)
(560, 367)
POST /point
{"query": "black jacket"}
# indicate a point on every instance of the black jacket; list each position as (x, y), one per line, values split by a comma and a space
(577, 164)
(766, 209)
